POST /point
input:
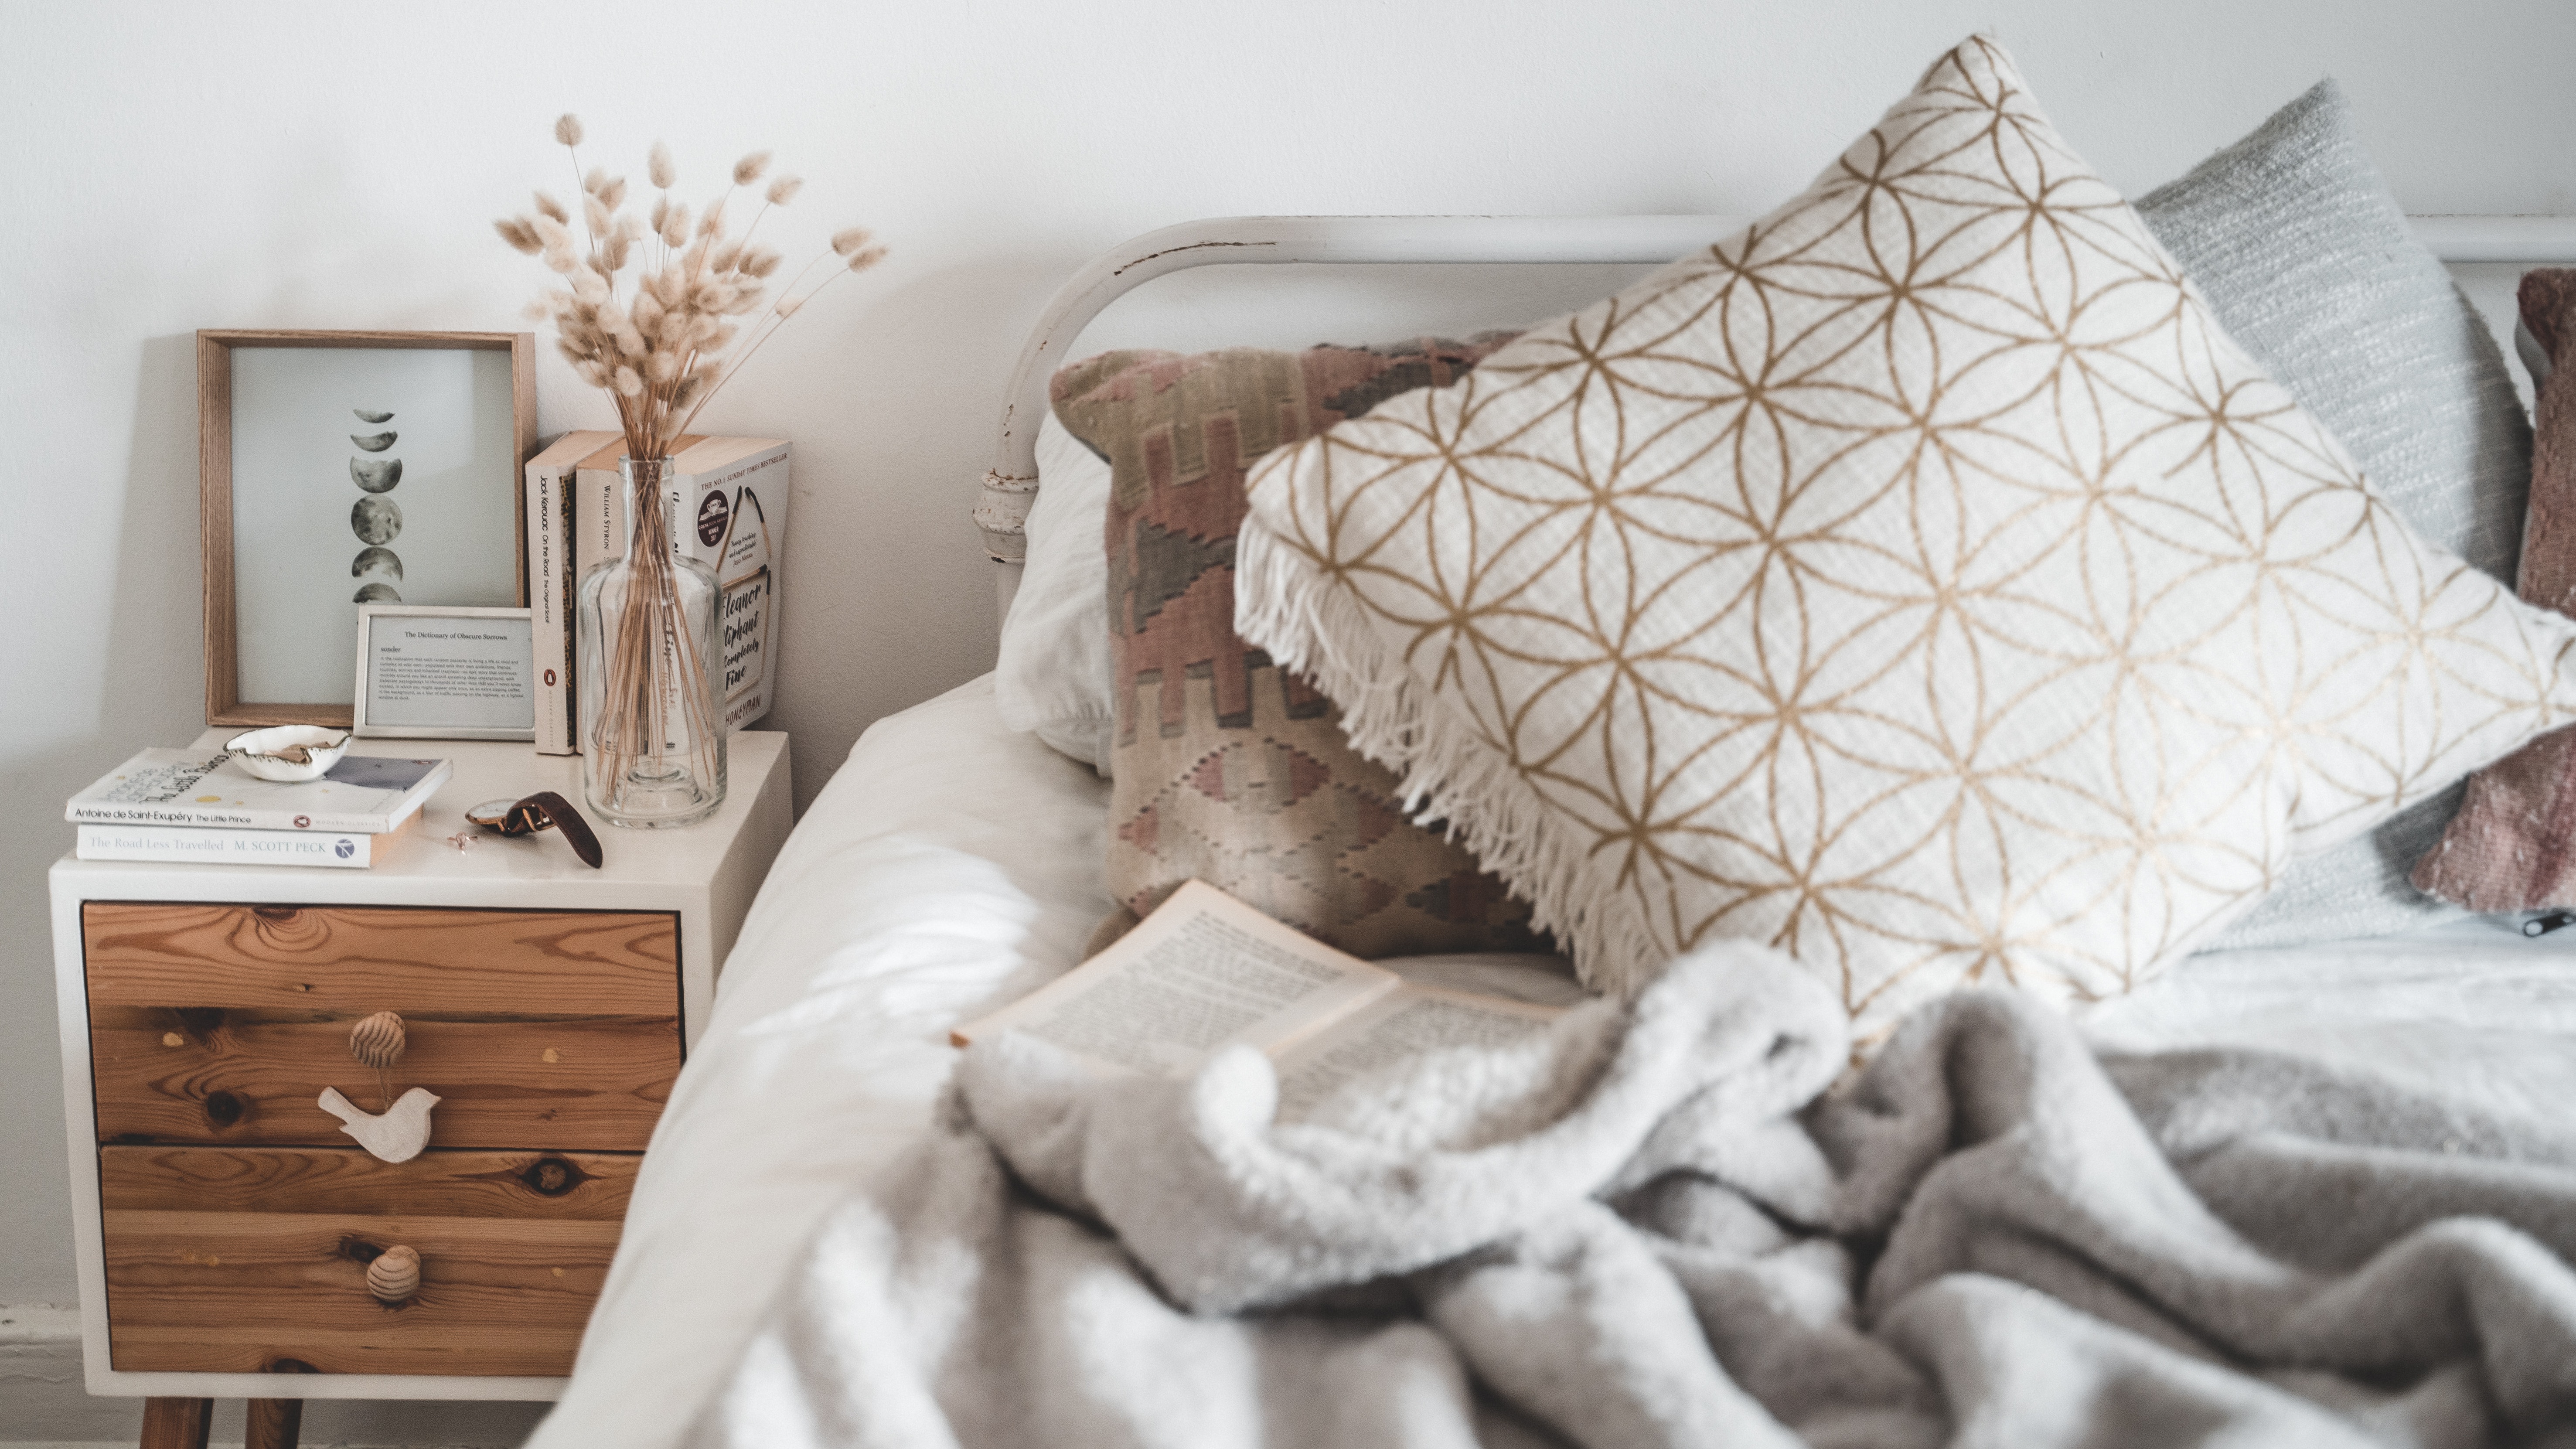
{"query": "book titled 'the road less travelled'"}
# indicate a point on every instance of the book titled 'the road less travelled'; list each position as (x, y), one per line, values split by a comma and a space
(1205, 970)
(361, 795)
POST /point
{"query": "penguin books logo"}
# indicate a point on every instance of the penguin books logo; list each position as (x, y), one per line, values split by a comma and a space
(344, 847)
(550, 679)
(303, 822)
(713, 510)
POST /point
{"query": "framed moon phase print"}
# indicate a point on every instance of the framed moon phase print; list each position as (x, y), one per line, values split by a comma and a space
(344, 468)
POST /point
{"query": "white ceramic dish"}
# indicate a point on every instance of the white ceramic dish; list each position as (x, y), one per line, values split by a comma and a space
(258, 751)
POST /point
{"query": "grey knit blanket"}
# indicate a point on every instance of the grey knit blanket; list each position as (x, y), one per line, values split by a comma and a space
(1664, 1224)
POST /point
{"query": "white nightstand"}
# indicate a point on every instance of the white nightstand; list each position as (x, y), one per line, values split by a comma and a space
(224, 1222)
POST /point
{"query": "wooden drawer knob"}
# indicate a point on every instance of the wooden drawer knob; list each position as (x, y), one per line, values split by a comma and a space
(377, 1041)
(395, 1275)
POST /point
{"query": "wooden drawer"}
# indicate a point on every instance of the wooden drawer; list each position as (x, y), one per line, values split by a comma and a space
(223, 1024)
(382, 958)
(223, 1260)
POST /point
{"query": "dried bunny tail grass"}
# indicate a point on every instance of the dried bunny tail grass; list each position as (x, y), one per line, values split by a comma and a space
(613, 252)
(658, 168)
(594, 216)
(628, 384)
(712, 224)
(723, 257)
(594, 181)
(613, 195)
(568, 129)
(695, 386)
(552, 209)
(519, 234)
(762, 262)
(662, 367)
(850, 238)
(784, 189)
(866, 257)
(750, 168)
(675, 227)
(786, 306)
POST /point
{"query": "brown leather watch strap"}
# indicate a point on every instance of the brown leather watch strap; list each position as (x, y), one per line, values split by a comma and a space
(555, 810)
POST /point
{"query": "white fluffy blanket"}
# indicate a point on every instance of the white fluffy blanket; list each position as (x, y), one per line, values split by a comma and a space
(1655, 1225)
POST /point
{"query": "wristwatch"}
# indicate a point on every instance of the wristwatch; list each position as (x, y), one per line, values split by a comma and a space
(545, 810)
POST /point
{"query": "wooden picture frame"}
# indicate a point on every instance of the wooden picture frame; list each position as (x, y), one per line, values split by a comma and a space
(215, 500)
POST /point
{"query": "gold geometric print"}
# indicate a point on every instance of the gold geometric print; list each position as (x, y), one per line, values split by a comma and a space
(1919, 580)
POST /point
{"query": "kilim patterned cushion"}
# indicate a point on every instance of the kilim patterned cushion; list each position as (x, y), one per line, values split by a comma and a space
(2512, 847)
(1919, 580)
(1229, 769)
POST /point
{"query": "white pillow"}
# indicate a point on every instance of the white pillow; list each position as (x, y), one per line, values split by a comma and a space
(1052, 678)
(1920, 581)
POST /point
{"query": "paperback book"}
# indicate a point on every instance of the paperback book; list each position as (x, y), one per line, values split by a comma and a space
(553, 478)
(725, 504)
(361, 795)
(1205, 970)
(203, 845)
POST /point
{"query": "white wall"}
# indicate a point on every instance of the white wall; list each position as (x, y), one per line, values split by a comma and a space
(167, 168)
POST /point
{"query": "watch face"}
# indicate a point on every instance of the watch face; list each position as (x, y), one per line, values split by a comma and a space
(491, 814)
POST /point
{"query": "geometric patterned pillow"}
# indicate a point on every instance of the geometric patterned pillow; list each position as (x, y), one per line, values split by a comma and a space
(1919, 580)
(1229, 769)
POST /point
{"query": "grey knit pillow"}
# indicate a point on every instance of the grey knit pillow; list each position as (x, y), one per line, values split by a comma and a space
(2305, 257)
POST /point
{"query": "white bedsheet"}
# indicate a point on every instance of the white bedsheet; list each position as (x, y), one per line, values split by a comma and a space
(952, 865)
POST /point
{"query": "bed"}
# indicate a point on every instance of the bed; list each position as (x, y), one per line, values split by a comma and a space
(953, 865)
(901, 907)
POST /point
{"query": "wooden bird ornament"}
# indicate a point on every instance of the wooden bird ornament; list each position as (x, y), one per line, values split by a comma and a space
(397, 1135)
(402, 1129)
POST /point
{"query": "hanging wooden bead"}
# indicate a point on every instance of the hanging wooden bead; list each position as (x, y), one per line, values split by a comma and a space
(394, 1275)
(377, 1041)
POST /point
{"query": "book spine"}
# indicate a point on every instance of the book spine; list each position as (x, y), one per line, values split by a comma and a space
(551, 581)
(350, 851)
(599, 518)
(188, 817)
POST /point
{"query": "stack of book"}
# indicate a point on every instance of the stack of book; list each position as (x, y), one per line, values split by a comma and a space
(725, 501)
(197, 805)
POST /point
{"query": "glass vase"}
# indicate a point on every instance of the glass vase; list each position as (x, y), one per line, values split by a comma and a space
(652, 735)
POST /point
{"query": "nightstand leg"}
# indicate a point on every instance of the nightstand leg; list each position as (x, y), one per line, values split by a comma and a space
(272, 1423)
(177, 1423)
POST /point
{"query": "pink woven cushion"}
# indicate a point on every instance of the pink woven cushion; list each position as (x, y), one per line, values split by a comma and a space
(1229, 769)
(2512, 847)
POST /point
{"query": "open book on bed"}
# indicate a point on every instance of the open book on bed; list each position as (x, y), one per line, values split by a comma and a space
(1205, 970)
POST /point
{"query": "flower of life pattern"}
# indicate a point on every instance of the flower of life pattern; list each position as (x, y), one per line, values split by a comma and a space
(1919, 580)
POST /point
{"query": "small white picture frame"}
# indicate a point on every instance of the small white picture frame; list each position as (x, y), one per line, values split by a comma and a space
(427, 672)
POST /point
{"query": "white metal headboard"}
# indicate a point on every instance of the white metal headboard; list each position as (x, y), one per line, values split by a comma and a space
(1011, 485)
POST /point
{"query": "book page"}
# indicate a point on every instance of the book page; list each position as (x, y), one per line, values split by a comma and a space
(1203, 970)
(1398, 1026)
